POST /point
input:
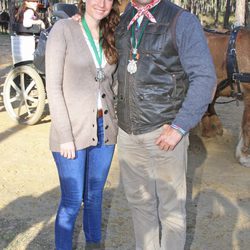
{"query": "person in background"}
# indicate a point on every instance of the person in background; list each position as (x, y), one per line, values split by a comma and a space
(27, 14)
(166, 79)
(80, 65)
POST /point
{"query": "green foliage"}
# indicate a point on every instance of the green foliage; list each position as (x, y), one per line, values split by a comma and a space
(211, 13)
(208, 21)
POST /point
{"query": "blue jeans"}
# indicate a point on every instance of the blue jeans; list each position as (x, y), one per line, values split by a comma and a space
(82, 180)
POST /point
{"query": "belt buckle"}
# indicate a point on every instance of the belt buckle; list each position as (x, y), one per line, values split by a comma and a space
(99, 113)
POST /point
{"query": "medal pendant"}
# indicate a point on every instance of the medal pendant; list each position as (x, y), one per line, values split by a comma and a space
(100, 76)
(132, 66)
(134, 51)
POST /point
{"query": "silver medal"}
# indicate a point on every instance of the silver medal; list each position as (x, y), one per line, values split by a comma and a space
(100, 76)
(132, 66)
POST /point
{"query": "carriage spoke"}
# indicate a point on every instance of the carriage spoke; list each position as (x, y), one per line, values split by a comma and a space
(31, 85)
(32, 99)
(24, 94)
(20, 106)
(16, 98)
(27, 108)
(13, 84)
(22, 82)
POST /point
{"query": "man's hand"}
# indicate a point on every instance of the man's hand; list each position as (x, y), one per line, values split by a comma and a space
(68, 150)
(77, 18)
(169, 138)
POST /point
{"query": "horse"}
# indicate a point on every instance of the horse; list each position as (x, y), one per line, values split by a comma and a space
(211, 125)
(4, 21)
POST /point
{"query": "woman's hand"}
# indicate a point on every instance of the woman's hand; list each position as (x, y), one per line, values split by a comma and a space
(68, 150)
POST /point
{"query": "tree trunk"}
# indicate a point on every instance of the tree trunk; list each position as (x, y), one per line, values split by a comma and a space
(177, 2)
(248, 14)
(240, 12)
(189, 5)
(227, 14)
(217, 9)
(12, 8)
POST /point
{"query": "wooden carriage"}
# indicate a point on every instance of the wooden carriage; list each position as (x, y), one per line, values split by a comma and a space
(24, 88)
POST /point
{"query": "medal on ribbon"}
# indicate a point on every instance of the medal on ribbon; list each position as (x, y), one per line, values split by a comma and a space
(132, 66)
(100, 75)
(134, 55)
(132, 63)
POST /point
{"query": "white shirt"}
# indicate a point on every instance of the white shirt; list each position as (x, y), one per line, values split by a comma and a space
(28, 17)
(104, 62)
(139, 20)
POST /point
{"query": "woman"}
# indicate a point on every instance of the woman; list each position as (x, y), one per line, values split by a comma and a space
(27, 14)
(80, 65)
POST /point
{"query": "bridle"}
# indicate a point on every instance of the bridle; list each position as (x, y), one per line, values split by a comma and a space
(234, 76)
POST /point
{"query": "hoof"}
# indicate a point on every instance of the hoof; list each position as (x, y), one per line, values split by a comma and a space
(243, 158)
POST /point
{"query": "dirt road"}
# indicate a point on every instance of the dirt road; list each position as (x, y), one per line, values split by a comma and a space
(218, 188)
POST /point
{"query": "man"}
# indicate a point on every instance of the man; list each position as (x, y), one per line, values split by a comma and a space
(166, 80)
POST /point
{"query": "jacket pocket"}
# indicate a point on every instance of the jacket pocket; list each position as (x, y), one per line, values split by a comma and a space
(155, 37)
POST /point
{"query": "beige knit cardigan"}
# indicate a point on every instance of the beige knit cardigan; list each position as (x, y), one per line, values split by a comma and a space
(73, 91)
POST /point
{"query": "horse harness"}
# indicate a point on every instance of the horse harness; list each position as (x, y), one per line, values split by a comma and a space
(234, 77)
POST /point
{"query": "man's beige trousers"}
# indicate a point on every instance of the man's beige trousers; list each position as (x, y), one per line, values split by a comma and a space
(155, 186)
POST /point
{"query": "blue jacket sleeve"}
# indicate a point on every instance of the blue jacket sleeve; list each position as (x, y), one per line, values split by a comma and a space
(197, 62)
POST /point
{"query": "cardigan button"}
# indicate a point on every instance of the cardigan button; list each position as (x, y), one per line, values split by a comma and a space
(103, 95)
(141, 97)
(106, 111)
(107, 127)
(93, 139)
(106, 140)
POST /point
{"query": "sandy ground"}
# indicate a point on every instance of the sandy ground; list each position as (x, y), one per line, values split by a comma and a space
(218, 206)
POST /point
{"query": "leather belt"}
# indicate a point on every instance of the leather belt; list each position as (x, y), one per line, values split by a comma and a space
(99, 113)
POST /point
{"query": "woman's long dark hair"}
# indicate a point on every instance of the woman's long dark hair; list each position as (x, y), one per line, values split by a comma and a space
(107, 27)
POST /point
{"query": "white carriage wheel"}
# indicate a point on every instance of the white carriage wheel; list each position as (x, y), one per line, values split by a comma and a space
(24, 95)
